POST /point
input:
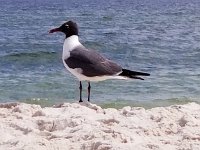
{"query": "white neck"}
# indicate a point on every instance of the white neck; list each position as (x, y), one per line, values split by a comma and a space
(69, 44)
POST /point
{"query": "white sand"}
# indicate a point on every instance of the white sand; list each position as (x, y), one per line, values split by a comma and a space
(89, 127)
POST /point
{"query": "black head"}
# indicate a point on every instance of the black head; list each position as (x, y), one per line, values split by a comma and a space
(69, 28)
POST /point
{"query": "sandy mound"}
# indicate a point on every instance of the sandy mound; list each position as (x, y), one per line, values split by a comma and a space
(89, 127)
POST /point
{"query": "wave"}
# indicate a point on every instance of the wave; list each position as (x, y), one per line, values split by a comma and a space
(118, 104)
(149, 104)
(40, 55)
(24, 54)
(46, 102)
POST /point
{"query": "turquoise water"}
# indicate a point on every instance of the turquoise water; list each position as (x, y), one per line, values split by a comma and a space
(160, 37)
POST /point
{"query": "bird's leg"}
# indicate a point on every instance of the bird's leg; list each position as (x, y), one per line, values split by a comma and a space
(80, 88)
(89, 87)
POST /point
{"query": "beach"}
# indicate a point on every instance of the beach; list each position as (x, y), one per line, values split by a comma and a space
(37, 93)
(87, 126)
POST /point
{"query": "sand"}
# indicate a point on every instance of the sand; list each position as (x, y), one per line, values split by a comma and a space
(87, 126)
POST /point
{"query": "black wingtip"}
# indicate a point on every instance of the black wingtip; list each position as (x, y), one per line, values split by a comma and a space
(135, 77)
(133, 74)
(146, 74)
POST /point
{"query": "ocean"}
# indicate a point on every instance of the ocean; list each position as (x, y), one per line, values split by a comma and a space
(161, 37)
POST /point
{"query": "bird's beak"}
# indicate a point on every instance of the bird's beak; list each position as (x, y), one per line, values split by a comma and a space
(54, 30)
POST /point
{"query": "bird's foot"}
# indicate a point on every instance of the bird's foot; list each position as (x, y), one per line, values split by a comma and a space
(80, 101)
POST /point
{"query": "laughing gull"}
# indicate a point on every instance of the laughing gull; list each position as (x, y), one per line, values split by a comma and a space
(86, 64)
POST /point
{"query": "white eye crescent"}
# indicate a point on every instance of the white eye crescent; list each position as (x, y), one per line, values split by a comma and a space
(67, 25)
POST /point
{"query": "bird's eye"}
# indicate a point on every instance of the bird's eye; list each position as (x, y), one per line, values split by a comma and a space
(67, 25)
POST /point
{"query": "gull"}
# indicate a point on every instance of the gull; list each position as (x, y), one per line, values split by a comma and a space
(87, 64)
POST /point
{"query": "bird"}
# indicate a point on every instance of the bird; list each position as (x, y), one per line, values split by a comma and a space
(87, 64)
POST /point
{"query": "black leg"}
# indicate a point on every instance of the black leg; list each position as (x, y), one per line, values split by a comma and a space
(80, 88)
(89, 87)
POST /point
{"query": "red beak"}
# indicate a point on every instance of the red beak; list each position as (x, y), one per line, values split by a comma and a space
(54, 30)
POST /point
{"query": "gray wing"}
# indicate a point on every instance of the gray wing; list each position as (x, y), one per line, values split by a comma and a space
(91, 63)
